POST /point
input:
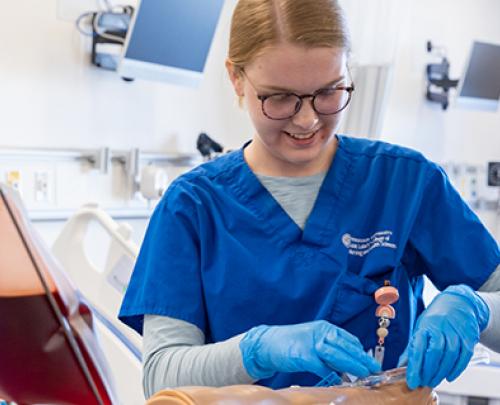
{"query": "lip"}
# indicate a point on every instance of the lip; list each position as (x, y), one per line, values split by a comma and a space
(304, 141)
(302, 133)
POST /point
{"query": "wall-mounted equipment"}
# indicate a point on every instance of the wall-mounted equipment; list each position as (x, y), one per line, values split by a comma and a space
(438, 81)
(109, 29)
(480, 85)
(170, 40)
(208, 147)
(494, 174)
(153, 182)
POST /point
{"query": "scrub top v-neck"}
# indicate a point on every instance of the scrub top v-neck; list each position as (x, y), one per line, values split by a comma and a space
(222, 254)
(281, 227)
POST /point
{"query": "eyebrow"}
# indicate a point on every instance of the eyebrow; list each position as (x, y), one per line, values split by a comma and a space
(282, 89)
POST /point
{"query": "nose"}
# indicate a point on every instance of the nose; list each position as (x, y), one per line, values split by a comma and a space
(306, 118)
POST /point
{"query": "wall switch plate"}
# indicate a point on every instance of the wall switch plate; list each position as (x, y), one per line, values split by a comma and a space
(494, 174)
(42, 186)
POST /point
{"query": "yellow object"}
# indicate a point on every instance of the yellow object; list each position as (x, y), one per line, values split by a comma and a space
(14, 179)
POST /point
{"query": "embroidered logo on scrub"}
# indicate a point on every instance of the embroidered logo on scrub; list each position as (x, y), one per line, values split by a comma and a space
(363, 246)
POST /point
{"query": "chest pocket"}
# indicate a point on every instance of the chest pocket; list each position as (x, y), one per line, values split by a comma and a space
(355, 293)
(354, 297)
(354, 309)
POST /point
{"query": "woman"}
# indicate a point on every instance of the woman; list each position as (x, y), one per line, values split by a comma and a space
(300, 227)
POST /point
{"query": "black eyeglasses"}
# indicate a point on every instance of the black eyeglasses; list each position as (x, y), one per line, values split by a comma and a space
(327, 101)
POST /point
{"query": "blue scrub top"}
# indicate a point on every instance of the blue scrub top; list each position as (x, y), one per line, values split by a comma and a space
(222, 254)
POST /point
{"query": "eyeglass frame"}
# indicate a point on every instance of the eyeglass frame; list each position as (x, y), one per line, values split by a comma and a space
(263, 98)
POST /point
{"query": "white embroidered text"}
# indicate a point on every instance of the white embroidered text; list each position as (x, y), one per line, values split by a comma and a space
(363, 246)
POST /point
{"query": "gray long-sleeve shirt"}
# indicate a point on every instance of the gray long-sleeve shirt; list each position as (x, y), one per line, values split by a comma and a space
(175, 353)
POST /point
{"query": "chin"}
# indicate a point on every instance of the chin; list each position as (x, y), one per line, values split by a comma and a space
(302, 158)
(306, 154)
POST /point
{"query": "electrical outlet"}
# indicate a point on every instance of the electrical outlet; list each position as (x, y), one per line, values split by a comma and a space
(42, 186)
(494, 174)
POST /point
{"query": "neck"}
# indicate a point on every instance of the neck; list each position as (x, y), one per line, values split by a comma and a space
(262, 161)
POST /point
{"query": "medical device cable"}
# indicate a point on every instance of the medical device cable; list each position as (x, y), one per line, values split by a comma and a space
(63, 322)
(95, 16)
(480, 357)
(78, 23)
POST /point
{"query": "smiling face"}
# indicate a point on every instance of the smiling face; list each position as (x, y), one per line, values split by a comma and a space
(305, 143)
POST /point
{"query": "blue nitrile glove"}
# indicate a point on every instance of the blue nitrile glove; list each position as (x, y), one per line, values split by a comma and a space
(444, 337)
(318, 347)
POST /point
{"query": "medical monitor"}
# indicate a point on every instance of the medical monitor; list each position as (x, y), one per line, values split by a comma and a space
(169, 40)
(479, 87)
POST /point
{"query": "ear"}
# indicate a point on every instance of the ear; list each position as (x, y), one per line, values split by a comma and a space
(236, 78)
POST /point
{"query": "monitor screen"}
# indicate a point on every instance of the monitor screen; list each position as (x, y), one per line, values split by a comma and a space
(169, 40)
(479, 86)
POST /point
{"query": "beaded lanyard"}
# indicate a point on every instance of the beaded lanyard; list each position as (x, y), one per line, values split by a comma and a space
(384, 296)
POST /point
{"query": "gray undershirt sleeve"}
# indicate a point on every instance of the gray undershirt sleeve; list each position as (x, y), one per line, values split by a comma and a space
(490, 293)
(175, 354)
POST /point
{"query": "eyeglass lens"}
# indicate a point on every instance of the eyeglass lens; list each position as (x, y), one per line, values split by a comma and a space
(328, 101)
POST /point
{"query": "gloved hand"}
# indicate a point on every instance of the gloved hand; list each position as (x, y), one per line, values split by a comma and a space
(318, 347)
(444, 337)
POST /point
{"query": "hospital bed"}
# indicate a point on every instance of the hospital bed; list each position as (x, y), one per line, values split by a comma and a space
(48, 350)
(59, 344)
(103, 289)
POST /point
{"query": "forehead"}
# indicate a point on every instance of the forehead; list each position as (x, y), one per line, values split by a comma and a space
(297, 68)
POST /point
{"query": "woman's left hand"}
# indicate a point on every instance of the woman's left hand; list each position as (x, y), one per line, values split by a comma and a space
(444, 337)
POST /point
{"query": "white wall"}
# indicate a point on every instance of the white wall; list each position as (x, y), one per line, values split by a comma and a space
(52, 97)
(456, 134)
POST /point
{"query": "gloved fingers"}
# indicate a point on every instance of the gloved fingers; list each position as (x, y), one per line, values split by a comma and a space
(341, 336)
(436, 344)
(355, 351)
(338, 359)
(468, 335)
(318, 367)
(449, 358)
(416, 351)
(462, 362)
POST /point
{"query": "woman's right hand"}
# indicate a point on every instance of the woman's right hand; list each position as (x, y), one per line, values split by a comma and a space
(317, 347)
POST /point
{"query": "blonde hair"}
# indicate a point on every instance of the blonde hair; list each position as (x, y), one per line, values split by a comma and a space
(259, 24)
